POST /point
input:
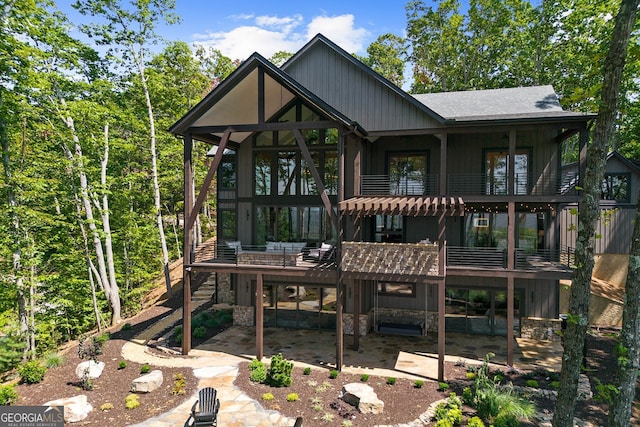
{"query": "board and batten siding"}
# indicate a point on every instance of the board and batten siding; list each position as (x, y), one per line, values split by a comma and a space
(356, 94)
(613, 230)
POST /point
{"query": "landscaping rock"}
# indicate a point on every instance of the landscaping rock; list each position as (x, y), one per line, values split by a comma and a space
(147, 382)
(94, 369)
(75, 408)
(362, 397)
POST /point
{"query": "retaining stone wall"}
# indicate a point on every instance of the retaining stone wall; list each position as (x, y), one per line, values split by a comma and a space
(243, 316)
(538, 328)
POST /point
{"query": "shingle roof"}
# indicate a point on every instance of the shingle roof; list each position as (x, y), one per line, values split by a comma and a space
(493, 104)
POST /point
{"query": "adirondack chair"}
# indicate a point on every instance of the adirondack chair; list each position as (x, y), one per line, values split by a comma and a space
(298, 422)
(207, 405)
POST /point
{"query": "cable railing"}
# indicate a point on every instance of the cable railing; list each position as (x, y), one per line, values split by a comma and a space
(383, 185)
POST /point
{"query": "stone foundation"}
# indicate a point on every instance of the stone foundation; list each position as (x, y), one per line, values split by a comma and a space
(538, 328)
(225, 293)
(411, 317)
(243, 316)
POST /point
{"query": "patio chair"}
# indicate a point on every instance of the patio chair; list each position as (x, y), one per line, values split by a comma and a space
(298, 422)
(208, 406)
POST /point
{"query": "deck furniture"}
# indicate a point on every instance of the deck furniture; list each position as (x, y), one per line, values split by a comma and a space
(207, 408)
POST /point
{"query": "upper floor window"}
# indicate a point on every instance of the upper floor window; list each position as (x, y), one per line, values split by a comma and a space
(615, 186)
(228, 170)
(497, 172)
(407, 173)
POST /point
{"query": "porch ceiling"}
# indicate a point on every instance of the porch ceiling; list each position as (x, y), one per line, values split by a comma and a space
(402, 205)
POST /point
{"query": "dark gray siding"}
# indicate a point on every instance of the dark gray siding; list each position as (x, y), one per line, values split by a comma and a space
(614, 229)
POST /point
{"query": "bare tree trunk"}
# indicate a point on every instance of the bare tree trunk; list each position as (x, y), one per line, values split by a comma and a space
(106, 227)
(139, 59)
(589, 210)
(628, 350)
(112, 294)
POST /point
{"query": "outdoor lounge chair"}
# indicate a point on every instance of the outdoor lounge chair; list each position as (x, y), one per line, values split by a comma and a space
(208, 406)
(298, 422)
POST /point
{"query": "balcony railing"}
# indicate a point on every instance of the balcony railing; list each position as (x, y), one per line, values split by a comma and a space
(413, 259)
(277, 254)
(469, 184)
(487, 258)
(524, 184)
(383, 185)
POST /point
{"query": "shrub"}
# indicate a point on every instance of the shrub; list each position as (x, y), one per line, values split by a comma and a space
(443, 386)
(179, 384)
(470, 375)
(32, 372)
(418, 383)
(122, 364)
(131, 401)
(455, 415)
(555, 384)
(307, 371)
(200, 332)
(364, 378)
(391, 380)
(327, 417)
(177, 335)
(11, 347)
(8, 394)
(279, 374)
(292, 397)
(53, 360)
(475, 422)
(103, 338)
(106, 406)
(333, 374)
(532, 383)
(505, 419)
(267, 397)
(467, 395)
(444, 422)
(347, 423)
(91, 347)
(126, 327)
(259, 374)
(144, 369)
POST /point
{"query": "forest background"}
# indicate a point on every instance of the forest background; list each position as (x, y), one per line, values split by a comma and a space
(91, 189)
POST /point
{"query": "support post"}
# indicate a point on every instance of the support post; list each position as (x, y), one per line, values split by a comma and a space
(259, 317)
(441, 336)
(510, 337)
(356, 314)
(188, 234)
(443, 165)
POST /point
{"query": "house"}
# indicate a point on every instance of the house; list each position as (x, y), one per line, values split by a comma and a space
(346, 204)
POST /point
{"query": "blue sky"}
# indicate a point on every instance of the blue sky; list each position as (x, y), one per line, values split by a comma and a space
(239, 28)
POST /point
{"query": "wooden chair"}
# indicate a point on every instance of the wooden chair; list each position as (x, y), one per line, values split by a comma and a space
(298, 422)
(208, 406)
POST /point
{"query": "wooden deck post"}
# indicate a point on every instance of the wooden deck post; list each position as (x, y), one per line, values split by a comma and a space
(441, 336)
(188, 233)
(259, 318)
(356, 314)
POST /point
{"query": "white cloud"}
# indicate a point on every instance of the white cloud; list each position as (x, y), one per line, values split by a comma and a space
(270, 34)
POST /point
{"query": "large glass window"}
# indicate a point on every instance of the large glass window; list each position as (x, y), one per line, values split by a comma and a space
(389, 228)
(407, 173)
(263, 174)
(228, 170)
(497, 172)
(309, 224)
(616, 187)
(487, 230)
(287, 173)
(228, 224)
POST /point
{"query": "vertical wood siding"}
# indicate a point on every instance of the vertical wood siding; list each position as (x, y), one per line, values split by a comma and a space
(614, 230)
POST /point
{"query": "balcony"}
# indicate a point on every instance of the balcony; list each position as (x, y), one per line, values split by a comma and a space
(470, 184)
(496, 258)
(407, 259)
(276, 254)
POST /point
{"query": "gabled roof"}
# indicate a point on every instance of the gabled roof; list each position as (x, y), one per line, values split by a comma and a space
(535, 102)
(631, 164)
(235, 100)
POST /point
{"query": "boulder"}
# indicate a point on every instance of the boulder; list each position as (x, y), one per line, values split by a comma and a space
(75, 408)
(147, 382)
(94, 369)
(362, 397)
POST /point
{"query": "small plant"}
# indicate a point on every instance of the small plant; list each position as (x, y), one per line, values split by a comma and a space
(279, 374)
(86, 382)
(267, 397)
(131, 401)
(312, 383)
(122, 364)
(292, 397)
(316, 400)
(323, 387)
(327, 417)
(306, 371)
(91, 347)
(259, 374)
(200, 332)
(467, 395)
(605, 392)
(333, 374)
(555, 384)
(443, 386)
(8, 394)
(343, 410)
(391, 380)
(144, 369)
(317, 407)
(106, 406)
(470, 375)
(475, 422)
(126, 327)
(347, 423)
(418, 383)
(364, 378)
(532, 383)
(177, 335)
(32, 372)
(53, 360)
(179, 384)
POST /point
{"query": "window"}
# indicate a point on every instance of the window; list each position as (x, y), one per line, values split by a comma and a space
(397, 289)
(497, 172)
(407, 173)
(263, 174)
(309, 224)
(615, 186)
(228, 224)
(228, 170)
